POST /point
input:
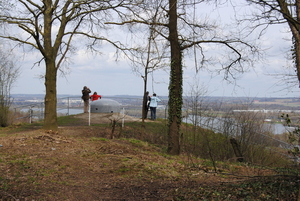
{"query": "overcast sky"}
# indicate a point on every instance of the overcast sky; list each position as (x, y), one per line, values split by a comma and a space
(107, 77)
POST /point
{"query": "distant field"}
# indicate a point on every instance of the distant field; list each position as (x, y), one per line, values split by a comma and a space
(284, 102)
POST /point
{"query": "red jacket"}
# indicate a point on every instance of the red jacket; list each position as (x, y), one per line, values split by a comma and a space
(95, 97)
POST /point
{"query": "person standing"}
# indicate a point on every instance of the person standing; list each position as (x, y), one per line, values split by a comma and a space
(153, 104)
(86, 98)
(146, 104)
(95, 96)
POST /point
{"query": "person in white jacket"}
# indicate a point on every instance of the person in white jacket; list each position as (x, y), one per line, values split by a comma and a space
(153, 104)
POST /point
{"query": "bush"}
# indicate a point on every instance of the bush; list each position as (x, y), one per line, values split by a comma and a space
(4, 116)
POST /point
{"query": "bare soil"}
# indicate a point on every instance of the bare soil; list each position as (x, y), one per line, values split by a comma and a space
(80, 162)
(102, 118)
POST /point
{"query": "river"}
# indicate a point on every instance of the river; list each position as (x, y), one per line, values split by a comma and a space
(217, 124)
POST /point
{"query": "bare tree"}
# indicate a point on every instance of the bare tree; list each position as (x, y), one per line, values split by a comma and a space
(146, 60)
(9, 72)
(182, 33)
(270, 12)
(196, 106)
(194, 36)
(51, 26)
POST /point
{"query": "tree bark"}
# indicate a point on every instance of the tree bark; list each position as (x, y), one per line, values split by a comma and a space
(50, 116)
(175, 86)
(295, 29)
(50, 55)
(145, 99)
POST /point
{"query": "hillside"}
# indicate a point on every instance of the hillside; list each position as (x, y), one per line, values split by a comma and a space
(81, 162)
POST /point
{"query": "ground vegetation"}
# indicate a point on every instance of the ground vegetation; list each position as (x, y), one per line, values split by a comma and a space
(80, 162)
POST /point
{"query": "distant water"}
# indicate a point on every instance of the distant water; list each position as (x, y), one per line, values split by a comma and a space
(70, 111)
(59, 111)
(278, 128)
(216, 125)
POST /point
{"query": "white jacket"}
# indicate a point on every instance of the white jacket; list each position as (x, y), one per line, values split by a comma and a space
(153, 101)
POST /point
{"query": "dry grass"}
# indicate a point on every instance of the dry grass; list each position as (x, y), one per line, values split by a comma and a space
(82, 163)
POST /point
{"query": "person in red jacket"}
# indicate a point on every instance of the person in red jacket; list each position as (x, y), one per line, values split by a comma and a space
(95, 96)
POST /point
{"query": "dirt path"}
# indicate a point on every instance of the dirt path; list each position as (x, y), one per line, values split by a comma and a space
(99, 118)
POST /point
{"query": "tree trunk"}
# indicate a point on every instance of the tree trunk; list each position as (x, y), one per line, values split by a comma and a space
(175, 86)
(295, 28)
(296, 34)
(296, 37)
(237, 151)
(145, 100)
(50, 118)
(50, 55)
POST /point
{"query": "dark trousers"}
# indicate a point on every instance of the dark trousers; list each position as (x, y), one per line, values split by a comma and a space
(153, 113)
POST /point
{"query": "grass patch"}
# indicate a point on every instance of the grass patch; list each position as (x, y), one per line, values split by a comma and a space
(68, 120)
(20, 128)
(138, 143)
(99, 139)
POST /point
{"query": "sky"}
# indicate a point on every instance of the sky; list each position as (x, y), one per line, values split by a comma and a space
(104, 75)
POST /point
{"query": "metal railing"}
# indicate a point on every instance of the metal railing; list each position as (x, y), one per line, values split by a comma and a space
(72, 105)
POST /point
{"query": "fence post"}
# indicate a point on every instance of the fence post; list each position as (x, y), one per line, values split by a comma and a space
(68, 106)
(89, 114)
(123, 117)
(30, 114)
(41, 111)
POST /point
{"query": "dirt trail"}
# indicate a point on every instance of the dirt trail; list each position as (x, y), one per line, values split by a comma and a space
(96, 118)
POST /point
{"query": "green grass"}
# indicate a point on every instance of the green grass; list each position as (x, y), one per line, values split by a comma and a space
(137, 142)
(19, 128)
(99, 139)
(67, 120)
